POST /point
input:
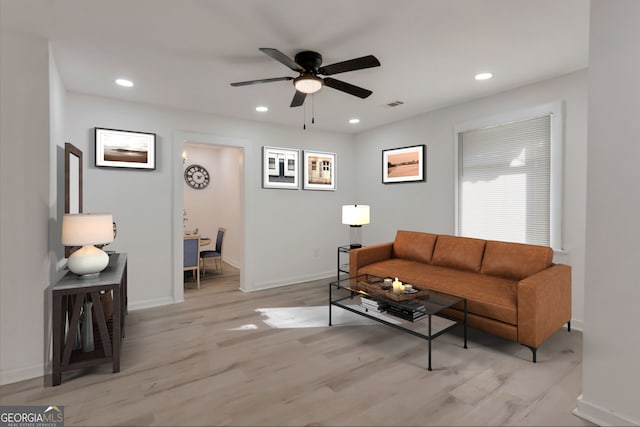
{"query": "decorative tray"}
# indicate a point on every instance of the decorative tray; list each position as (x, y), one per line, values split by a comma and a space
(375, 288)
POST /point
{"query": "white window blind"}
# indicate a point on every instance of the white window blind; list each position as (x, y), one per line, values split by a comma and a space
(504, 182)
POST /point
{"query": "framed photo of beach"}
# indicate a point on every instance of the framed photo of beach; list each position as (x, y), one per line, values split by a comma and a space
(125, 149)
(319, 171)
(405, 164)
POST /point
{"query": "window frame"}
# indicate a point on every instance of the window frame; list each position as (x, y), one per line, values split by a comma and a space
(556, 111)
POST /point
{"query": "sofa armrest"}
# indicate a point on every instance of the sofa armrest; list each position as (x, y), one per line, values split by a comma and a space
(360, 257)
(544, 304)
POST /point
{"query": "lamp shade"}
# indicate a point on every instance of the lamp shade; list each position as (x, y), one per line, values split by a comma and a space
(87, 229)
(355, 215)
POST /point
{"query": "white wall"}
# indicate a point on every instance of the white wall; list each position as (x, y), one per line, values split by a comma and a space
(289, 236)
(57, 261)
(610, 375)
(218, 204)
(429, 206)
(57, 94)
(25, 200)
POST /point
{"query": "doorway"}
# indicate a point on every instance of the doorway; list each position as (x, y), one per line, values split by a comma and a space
(212, 197)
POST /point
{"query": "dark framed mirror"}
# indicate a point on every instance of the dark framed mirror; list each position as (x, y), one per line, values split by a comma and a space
(72, 184)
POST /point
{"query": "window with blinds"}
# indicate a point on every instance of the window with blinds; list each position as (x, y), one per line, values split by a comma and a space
(504, 182)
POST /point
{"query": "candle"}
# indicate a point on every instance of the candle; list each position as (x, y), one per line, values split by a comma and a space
(397, 287)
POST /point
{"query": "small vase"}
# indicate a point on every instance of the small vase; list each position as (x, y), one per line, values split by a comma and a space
(87, 328)
(106, 301)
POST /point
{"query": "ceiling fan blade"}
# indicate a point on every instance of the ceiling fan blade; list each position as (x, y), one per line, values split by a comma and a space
(281, 57)
(253, 82)
(347, 87)
(298, 99)
(368, 61)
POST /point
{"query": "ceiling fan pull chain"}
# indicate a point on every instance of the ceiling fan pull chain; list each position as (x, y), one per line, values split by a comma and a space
(313, 111)
(304, 119)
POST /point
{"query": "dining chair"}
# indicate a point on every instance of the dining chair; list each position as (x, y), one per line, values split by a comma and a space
(215, 254)
(191, 258)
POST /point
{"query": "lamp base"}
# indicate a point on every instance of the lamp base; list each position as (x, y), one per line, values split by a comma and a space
(89, 276)
(88, 261)
(355, 236)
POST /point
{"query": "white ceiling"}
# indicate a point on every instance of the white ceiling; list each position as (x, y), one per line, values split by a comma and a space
(184, 53)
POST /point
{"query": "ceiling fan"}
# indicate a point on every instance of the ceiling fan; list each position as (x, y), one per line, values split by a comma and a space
(308, 64)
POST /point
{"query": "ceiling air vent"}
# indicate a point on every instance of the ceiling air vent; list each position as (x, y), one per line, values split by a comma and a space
(395, 103)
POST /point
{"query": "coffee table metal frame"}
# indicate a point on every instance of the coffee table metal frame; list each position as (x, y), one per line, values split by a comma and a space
(436, 303)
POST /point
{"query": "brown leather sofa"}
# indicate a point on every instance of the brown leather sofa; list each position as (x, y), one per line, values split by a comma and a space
(513, 290)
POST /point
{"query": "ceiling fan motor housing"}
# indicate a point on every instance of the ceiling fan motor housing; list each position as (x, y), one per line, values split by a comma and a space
(309, 60)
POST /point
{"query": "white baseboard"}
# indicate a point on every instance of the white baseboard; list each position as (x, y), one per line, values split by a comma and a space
(232, 262)
(578, 325)
(291, 281)
(139, 305)
(20, 374)
(601, 416)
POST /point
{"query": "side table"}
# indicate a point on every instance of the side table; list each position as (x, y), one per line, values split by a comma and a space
(69, 296)
(342, 267)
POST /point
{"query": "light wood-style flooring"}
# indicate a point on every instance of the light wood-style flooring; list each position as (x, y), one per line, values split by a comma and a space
(185, 364)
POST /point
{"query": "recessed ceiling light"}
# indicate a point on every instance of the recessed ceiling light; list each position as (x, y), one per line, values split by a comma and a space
(484, 76)
(124, 82)
(354, 121)
(262, 109)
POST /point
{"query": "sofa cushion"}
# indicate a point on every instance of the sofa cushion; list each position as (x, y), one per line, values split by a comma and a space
(488, 296)
(515, 260)
(462, 253)
(414, 246)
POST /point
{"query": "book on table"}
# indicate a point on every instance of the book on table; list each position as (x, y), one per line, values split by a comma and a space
(408, 310)
(372, 301)
(374, 309)
(411, 310)
(372, 304)
(410, 306)
(404, 314)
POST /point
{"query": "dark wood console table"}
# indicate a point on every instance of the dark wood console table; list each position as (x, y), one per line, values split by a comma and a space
(69, 295)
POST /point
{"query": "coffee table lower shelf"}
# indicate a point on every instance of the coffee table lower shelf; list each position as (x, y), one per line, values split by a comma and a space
(434, 308)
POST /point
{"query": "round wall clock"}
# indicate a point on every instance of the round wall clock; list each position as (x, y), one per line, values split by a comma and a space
(196, 176)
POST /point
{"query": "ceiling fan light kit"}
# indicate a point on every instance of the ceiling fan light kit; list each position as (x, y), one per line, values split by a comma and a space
(308, 64)
(307, 84)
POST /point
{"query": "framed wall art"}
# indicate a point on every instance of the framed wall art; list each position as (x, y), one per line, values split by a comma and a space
(319, 171)
(405, 164)
(280, 168)
(125, 149)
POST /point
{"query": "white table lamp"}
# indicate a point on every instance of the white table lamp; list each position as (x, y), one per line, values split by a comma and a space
(355, 216)
(86, 230)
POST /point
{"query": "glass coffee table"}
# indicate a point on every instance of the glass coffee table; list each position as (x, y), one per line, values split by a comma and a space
(414, 313)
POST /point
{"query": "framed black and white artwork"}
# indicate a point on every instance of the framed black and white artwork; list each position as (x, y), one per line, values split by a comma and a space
(280, 168)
